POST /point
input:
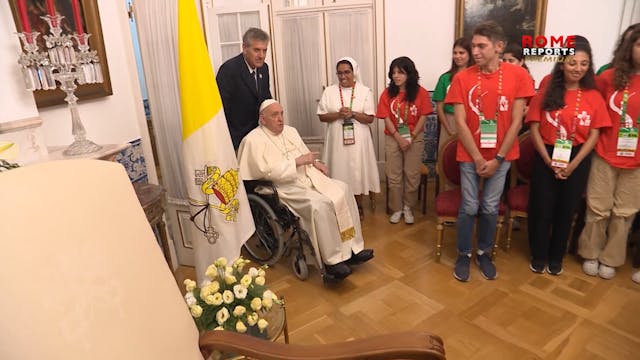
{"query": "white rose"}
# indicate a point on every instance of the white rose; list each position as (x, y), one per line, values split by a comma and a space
(227, 296)
(214, 286)
(240, 291)
(240, 327)
(239, 311)
(196, 311)
(189, 285)
(267, 303)
(246, 280)
(222, 315)
(261, 272)
(252, 319)
(210, 299)
(190, 299)
(253, 272)
(228, 270)
(256, 304)
(262, 324)
(217, 299)
(218, 328)
(205, 282)
(230, 279)
(222, 261)
(259, 280)
(212, 272)
(269, 294)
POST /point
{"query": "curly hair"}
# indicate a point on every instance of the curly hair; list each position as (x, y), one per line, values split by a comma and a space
(554, 95)
(623, 61)
(407, 66)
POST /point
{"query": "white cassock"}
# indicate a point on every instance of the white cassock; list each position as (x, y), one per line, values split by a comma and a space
(326, 207)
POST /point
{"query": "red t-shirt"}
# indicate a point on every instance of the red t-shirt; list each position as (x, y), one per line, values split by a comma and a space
(516, 83)
(388, 108)
(591, 111)
(608, 140)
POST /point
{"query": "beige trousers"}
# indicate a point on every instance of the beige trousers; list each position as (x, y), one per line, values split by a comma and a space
(403, 172)
(613, 198)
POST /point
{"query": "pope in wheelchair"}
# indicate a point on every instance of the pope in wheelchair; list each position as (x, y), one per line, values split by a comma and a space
(326, 207)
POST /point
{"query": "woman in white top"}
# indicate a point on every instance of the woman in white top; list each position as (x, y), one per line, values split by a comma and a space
(348, 108)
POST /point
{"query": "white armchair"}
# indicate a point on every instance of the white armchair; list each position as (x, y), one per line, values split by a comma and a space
(84, 278)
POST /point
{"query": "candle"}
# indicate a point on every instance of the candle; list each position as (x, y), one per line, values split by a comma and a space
(51, 9)
(75, 5)
(24, 17)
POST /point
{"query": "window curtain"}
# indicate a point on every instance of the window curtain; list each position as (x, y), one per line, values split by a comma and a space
(157, 30)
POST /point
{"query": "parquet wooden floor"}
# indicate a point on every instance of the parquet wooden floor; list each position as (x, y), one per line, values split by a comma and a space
(520, 315)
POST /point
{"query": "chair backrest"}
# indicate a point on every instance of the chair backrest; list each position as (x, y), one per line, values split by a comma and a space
(448, 168)
(83, 276)
(523, 167)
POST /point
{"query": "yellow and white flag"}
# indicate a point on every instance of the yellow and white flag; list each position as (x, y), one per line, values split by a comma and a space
(219, 207)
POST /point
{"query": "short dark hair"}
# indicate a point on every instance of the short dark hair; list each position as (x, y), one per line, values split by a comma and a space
(516, 51)
(254, 34)
(491, 30)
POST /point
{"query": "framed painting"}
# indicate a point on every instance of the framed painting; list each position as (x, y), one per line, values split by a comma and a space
(91, 24)
(517, 17)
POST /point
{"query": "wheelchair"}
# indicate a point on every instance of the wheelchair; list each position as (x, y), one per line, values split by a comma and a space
(279, 233)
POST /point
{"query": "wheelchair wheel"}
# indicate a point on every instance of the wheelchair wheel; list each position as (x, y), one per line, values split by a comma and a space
(299, 266)
(266, 245)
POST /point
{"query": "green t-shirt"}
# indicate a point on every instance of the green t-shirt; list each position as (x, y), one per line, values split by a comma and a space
(603, 68)
(441, 91)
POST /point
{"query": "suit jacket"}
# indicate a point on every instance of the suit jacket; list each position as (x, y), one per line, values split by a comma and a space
(240, 98)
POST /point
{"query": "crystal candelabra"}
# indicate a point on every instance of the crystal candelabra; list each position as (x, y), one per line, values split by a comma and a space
(65, 60)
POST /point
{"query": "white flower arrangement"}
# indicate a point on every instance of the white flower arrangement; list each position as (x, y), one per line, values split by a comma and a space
(225, 303)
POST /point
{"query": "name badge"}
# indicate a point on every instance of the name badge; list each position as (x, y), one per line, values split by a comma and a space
(348, 133)
(561, 153)
(488, 134)
(403, 130)
(627, 142)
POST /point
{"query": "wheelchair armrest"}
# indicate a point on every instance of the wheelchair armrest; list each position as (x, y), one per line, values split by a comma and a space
(261, 187)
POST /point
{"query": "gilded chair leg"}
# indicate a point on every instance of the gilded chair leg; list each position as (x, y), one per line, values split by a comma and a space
(509, 230)
(440, 230)
(497, 239)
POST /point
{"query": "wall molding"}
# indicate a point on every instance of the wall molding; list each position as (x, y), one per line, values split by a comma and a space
(22, 124)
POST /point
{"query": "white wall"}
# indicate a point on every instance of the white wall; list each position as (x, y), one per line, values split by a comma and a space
(424, 30)
(118, 118)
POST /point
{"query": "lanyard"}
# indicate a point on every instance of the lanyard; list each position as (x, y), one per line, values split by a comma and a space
(406, 112)
(623, 107)
(479, 100)
(353, 95)
(574, 118)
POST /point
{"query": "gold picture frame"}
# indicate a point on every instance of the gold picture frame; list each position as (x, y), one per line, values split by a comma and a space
(517, 17)
(92, 25)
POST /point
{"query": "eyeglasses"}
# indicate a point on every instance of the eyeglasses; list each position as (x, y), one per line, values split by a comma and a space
(348, 72)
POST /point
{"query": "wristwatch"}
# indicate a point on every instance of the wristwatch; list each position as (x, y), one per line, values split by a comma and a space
(500, 159)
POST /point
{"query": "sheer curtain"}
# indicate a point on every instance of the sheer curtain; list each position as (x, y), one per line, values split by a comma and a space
(157, 30)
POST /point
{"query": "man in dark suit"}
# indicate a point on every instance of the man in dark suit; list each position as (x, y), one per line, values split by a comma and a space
(244, 83)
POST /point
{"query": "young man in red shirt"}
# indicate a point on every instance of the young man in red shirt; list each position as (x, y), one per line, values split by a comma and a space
(488, 100)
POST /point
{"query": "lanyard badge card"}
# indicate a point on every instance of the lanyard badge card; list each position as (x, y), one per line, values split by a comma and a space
(348, 132)
(488, 133)
(627, 134)
(561, 153)
(403, 129)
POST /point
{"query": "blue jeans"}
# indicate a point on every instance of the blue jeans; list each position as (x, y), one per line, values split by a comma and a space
(488, 206)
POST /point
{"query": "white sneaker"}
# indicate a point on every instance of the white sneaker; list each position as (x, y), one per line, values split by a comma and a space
(395, 217)
(636, 277)
(606, 272)
(408, 215)
(590, 267)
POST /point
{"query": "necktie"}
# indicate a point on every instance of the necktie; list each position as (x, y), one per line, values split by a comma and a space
(255, 78)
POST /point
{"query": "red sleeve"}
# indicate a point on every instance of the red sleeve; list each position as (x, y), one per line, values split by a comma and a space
(425, 99)
(603, 80)
(525, 88)
(535, 108)
(601, 117)
(544, 82)
(455, 95)
(383, 105)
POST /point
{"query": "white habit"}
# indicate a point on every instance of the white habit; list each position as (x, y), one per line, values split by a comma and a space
(354, 164)
(324, 205)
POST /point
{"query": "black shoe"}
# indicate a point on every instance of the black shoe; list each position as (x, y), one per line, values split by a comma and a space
(338, 271)
(361, 257)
